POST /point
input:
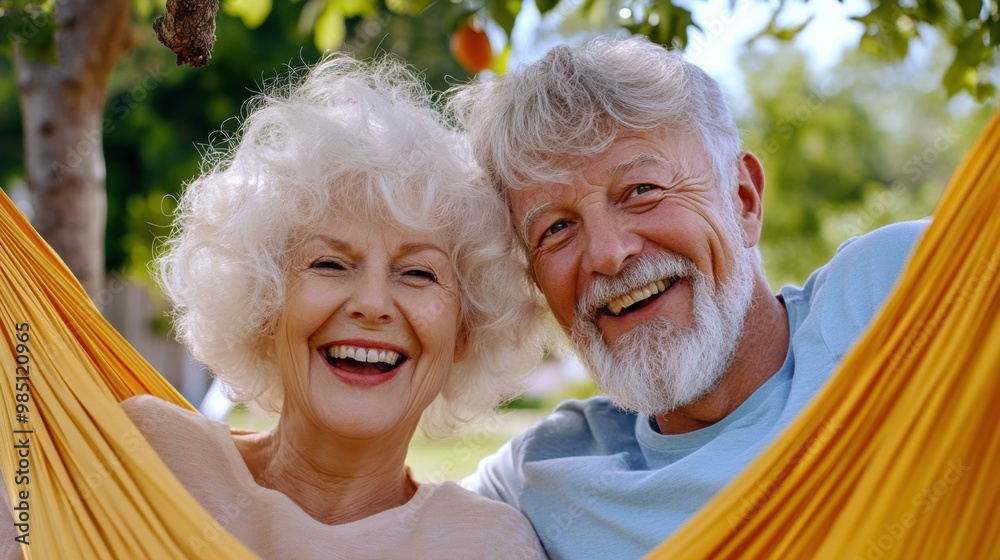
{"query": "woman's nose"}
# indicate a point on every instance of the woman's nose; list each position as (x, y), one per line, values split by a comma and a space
(371, 299)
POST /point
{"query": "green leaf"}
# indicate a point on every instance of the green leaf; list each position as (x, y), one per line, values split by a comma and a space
(310, 12)
(355, 8)
(679, 26)
(330, 29)
(545, 6)
(504, 12)
(971, 9)
(32, 27)
(142, 8)
(407, 7)
(500, 62)
(959, 76)
(252, 12)
(984, 91)
(789, 33)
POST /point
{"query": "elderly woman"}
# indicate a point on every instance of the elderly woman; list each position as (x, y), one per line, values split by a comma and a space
(344, 264)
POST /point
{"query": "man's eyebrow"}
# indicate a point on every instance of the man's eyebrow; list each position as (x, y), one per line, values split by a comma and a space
(530, 216)
(638, 160)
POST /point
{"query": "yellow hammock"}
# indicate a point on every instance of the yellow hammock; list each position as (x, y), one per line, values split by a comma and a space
(897, 458)
(81, 480)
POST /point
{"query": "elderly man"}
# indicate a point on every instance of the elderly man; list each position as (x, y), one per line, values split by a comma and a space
(640, 218)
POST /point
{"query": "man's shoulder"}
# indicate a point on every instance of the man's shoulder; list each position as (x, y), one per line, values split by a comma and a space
(844, 295)
(888, 245)
(593, 426)
(868, 266)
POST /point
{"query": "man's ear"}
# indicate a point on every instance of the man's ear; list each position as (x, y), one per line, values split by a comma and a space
(749, 201)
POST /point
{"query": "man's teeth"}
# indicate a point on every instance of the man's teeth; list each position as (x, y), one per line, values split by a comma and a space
(635, 296)
(359, 354)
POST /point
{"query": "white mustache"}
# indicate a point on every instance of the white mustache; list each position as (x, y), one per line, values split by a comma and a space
(642, 271)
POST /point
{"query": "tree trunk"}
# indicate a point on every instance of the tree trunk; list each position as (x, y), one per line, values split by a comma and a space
(62, 109)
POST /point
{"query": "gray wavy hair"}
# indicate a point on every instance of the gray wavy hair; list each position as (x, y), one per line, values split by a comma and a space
(343, 136)
(575, 103)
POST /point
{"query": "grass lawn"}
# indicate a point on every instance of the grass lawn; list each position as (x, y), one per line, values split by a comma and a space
(435, 460)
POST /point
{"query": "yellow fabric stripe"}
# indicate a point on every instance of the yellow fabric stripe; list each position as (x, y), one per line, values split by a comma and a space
(95, 489)
(898, 457)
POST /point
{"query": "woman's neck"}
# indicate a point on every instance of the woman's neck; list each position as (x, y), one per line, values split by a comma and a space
(334, 480)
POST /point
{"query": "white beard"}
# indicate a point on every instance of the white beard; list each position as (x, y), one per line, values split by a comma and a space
(657, 367)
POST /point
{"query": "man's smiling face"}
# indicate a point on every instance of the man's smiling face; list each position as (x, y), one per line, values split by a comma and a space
(641, 255)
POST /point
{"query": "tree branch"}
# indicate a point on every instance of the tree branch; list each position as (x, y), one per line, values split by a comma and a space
(188, 29)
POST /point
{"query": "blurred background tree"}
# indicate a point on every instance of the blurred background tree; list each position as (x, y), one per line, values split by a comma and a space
(833, 149)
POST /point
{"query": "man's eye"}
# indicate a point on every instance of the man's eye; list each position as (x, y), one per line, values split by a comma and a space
(641, 189)
(555, 228)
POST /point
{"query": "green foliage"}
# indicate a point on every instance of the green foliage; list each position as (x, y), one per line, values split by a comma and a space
(972, 28)
(31, 26)
(504, 12)
(330, 28)
(11, 153)
(158, 114)
(545, 6)
(328, 20)
(843, 154)
(661, 21)
(252, 12)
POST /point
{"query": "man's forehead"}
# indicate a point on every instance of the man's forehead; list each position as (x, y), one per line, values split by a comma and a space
(601, 170)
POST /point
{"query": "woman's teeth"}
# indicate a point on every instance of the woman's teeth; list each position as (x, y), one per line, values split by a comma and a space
(616, 305)
(358, 354)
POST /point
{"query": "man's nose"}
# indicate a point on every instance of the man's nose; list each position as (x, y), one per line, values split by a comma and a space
(609, 245)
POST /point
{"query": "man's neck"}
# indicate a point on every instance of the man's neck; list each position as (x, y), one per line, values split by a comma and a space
(759, 355)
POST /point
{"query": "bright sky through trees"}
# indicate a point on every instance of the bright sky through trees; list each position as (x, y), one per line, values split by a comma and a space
(725, 32)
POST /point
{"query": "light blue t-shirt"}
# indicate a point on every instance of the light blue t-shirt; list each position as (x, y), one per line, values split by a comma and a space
(599, 483)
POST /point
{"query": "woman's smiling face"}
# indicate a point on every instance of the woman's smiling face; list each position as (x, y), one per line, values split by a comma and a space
(370, 327)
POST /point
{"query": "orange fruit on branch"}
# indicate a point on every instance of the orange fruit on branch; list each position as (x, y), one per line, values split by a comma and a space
(471, 48)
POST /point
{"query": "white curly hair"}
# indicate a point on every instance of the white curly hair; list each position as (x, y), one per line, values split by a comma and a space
(344, 136)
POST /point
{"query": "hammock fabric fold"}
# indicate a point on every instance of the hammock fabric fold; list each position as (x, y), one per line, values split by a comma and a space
(81, 480)
(897, 458)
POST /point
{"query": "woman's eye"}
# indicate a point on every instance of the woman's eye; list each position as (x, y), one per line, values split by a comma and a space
(421, 273)
(641, 189)
(555, 228)
(327, 264)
